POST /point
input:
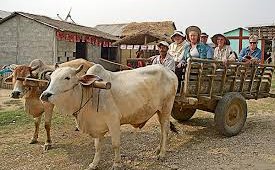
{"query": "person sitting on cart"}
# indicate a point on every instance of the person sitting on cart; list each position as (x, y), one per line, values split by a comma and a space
(164, 58)
(209, 49)
(176, 49)
(223, 51)
(251, 54)
(194, 48)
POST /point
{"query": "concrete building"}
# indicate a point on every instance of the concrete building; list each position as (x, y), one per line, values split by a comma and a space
(24, 37)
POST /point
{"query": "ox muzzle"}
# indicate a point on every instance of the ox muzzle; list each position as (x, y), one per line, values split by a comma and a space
(45, 96)
(15, 94)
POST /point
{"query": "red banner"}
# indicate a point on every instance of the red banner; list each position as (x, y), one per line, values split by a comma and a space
(74, 37)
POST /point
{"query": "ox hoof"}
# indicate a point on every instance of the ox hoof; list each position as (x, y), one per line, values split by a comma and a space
(157, 150)
(160, 157)
(33, 141)
(92, 167)
(47, 147)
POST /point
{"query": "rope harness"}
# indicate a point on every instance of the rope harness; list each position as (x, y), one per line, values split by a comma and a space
(75, 114)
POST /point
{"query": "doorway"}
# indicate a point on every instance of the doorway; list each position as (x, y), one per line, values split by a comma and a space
(81, 50)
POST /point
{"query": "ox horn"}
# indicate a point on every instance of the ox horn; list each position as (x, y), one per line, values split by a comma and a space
(79, 69)
(44, 75)
(34, 68)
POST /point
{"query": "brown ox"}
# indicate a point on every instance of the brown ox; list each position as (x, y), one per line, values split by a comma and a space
(33, 104)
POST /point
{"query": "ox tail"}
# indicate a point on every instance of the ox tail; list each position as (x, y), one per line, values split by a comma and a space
(173, 128)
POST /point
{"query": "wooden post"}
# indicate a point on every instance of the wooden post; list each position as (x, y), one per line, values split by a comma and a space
(145, 43)
(263, 50)
(273, 51)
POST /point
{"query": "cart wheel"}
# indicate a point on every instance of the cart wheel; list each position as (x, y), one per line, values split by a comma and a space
(182, 114)
(230, 114)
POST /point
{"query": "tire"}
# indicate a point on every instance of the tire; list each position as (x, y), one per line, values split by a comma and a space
(230, 114)
(182, 114)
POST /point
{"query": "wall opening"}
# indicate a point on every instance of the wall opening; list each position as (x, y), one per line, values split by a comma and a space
(109, 53)
(81, 50)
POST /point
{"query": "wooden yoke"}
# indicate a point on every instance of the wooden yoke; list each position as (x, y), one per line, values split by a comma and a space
(32, 82)
(102, 85)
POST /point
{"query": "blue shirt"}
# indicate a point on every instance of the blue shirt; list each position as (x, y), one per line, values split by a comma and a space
(209, 51)
(201, 49)
(257, 53)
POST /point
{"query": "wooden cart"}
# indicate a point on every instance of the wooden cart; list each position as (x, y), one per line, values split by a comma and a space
(210, 86)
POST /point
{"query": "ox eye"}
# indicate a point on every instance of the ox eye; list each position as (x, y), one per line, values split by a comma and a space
(67, 78)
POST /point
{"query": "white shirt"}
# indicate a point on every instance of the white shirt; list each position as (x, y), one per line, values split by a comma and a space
(175, 50)
(222, 54)
(168, 62)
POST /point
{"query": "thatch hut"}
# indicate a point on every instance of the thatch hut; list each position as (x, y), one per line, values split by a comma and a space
(139, 34)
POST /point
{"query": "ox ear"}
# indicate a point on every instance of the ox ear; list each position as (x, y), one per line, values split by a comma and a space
(79, 69)
(8, 80)
(89, 79)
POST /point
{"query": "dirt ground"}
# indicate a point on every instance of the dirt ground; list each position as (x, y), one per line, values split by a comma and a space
(197, 146)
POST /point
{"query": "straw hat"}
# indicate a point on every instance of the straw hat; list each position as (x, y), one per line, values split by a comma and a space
(215, 37)
(192, 28)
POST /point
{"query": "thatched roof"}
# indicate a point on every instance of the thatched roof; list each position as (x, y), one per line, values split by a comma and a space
(162, 28)
(62, 25)
(122, 30)
(139, 38)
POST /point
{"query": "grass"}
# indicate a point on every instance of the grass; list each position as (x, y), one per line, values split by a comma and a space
(17, 117)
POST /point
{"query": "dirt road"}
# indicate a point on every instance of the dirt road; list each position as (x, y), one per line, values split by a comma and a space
(197, 146)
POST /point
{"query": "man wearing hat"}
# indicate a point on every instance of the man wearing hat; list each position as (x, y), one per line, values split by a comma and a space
(209, 49)
(164, 58)
(251, 54)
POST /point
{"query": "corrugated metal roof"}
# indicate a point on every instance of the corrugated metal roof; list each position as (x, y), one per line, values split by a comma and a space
(63, 26)
(4, 14)
(114, 29)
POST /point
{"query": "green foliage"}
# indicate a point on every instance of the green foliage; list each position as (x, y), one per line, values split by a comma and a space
(19, 117)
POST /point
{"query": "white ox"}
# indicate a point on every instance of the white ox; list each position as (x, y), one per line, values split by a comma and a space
(135, 96)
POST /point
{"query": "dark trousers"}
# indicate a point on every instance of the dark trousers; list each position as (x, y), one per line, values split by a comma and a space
(179, 74)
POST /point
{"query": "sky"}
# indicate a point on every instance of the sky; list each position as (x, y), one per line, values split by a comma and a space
(212, 16)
